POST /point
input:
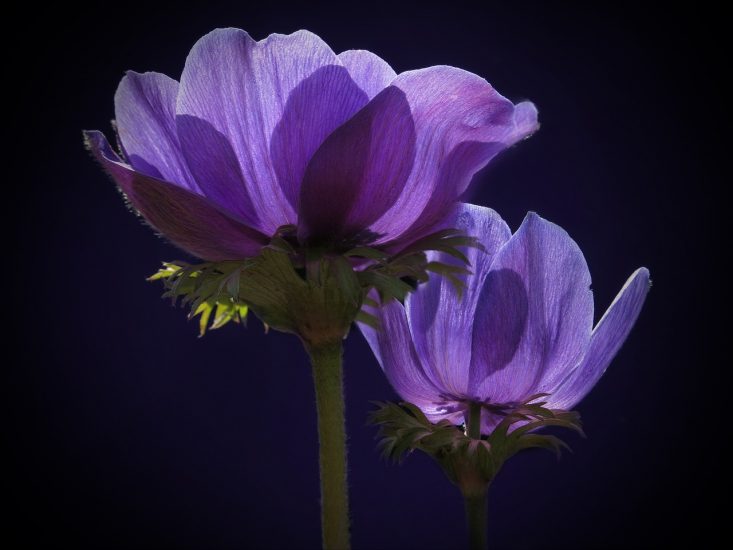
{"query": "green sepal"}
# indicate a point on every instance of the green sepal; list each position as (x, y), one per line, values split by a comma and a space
(403, 428)
(312, 293)
(396, 276)
(207, 288)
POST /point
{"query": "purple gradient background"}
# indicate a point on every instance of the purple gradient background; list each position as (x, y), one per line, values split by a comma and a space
(127, 431)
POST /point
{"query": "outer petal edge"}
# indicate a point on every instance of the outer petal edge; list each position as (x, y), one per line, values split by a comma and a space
(190, 221)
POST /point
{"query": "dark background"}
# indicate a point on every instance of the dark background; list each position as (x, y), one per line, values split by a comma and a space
(126, 430)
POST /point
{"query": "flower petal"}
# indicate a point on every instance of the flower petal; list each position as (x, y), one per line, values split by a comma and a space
(188, 220)
(241, 87)
(393, 347)
(370, 72)
(441, 321)
(145, 108)
(315, 108)
(607, 338)
(359, 171)
(461, 124)
(555, 311)
(215, 166)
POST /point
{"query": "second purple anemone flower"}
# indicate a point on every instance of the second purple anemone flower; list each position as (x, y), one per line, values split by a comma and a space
(259, 135)
(523, 327)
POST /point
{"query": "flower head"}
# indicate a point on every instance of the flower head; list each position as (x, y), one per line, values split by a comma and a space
(259, 135)
(523, 327)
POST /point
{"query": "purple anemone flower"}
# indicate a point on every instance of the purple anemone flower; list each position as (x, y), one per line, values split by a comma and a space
(259, 135)
(524, 325)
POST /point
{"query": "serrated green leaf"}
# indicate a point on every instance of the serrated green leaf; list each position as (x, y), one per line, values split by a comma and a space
(404, 428)
(388, 287)
(204, 310)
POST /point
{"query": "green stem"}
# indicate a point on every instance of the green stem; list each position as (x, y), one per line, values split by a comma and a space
(473, 429)
(476, 515)
(328, 378)
(474, 491)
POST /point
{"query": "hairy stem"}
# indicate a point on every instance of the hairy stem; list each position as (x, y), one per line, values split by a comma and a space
(476, 516)
(328, 378)
(474, 491)
(473, 422)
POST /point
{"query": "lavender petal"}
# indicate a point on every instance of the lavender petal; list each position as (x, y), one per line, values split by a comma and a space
(550, 267)
(461, 123)
(607, 338)
(145, 107)
(441, 321)
(241, 87)
(370, 72)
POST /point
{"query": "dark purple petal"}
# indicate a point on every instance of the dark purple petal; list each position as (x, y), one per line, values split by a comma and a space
(190, 221)
(553, 305)
(393, 347)
(215, 166)
(241, 87)
(461, 123)
(370, 72)
(441, 322)
(359, 171)
(145, 107)
(607, 338)
(316, 107)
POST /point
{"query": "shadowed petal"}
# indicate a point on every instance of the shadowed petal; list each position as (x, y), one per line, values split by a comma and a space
(316, 107)
(441, 322)
(461, 123)
(188, 220)
(215, 166)
(606, 340)
(392, 345)
(241, 88)
(145, 107)
(501, 321)
(359, 171)
(559, 313)
(370, 72)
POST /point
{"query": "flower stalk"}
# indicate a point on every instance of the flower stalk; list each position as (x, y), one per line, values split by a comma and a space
(474, 489)
(476, 514)
(326, 360)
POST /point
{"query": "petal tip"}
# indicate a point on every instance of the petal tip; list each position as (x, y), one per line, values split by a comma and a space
(532, 217)
(94, 141)
(525, 119)
(643, 272)
(643, 276)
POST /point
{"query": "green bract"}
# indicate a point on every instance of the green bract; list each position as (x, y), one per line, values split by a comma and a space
(470, 463)
(311, 293)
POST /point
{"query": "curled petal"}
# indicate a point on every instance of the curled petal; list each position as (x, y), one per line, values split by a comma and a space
(554, 312)
(190, 221)
(606, 340)
(461, 123)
